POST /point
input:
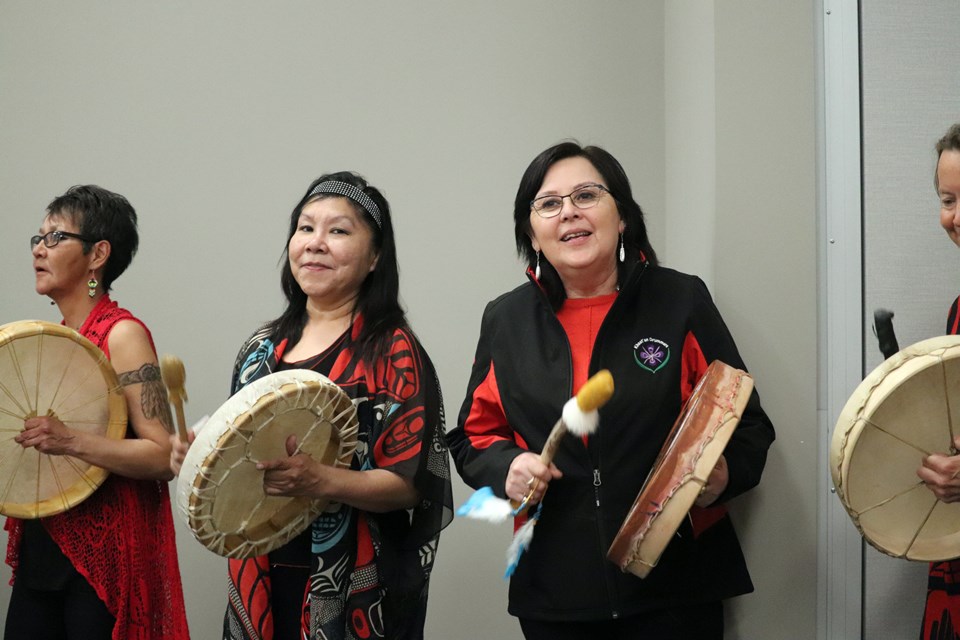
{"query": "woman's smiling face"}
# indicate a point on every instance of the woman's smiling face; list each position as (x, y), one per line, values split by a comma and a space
(577, 242)
(331, 251)
(948, 189)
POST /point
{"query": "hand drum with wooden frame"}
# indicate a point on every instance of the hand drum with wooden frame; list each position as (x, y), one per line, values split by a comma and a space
(905, 409)
(220, 490)
(50, 370)
(687, 457)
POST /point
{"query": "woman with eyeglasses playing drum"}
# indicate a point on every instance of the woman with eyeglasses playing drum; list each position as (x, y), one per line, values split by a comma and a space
(597, 299)
(941, 473)
(361, 570)
(107, 567)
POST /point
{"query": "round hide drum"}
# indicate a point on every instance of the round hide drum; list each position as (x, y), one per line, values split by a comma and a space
(49, 370)
(687, 457)
(907, 408)
(220, 490)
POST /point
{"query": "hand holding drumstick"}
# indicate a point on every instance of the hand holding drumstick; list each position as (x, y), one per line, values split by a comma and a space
(529, 474)
(174, 377)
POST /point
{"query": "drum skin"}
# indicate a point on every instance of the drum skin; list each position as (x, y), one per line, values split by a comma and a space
(49, 369)
(905, 409)
(687, 457)
(220, 491)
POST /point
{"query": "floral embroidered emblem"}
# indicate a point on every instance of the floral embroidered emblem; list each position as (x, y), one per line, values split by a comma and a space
(651, 354)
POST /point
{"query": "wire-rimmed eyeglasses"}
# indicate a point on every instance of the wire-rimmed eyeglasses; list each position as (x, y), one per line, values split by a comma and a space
(585, 197)
(53, 238)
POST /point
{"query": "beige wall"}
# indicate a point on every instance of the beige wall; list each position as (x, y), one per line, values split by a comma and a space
(741, 207)
(212, 118)
(766, 283)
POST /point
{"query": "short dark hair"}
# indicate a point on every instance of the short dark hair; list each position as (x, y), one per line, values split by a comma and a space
(100, 214)
(949, 142)
(635, 240)
(379, 299)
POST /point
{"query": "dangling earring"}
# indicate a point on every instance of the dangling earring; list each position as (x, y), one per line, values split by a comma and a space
(623, 254)
(92, 286)
(536, 272)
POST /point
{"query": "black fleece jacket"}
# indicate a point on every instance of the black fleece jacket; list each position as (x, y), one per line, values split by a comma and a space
(522, 376)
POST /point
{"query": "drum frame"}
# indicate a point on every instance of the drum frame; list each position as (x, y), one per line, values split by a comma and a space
(886, 507)
(46, 395)
(200, 490)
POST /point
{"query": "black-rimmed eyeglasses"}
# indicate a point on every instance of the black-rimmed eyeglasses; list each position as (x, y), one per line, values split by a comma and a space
(585, 197)
(53, 238)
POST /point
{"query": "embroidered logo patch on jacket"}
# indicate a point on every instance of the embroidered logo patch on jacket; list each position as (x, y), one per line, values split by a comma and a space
(651, 354)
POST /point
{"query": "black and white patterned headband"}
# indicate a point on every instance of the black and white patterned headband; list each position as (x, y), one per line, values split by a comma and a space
(349, 191)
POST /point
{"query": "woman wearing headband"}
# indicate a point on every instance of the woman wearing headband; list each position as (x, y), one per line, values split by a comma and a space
(597, 299)
(942, 472)
(106, 568)
(361, 571)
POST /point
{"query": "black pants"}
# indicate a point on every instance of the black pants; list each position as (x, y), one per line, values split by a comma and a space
(72, 613)
(696, 621)
(288, 587)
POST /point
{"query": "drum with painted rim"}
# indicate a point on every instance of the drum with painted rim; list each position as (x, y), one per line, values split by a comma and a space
(682, 468)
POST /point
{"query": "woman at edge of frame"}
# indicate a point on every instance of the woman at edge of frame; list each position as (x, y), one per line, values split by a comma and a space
(941, 615)
(107, 567)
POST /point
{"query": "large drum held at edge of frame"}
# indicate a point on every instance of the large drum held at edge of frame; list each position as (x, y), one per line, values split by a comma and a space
(905, 409)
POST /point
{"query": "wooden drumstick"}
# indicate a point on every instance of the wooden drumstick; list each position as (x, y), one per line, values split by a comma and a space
(174, 377)
(579, 418)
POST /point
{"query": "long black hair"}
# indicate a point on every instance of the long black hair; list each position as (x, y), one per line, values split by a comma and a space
(100, 214)
(635, 240)
(378, 302)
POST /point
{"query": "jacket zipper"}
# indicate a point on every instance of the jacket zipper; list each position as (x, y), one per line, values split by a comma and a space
(596, 486)
(603, 556)
(612, 592)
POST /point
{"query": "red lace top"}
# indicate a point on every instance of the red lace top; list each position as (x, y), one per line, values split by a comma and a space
(121, 539)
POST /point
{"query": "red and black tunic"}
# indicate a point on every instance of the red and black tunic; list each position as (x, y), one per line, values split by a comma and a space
(369, 571)
(941, 615)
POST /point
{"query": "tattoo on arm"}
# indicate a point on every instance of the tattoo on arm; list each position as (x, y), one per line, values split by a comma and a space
(153, 394)
(147, 373)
